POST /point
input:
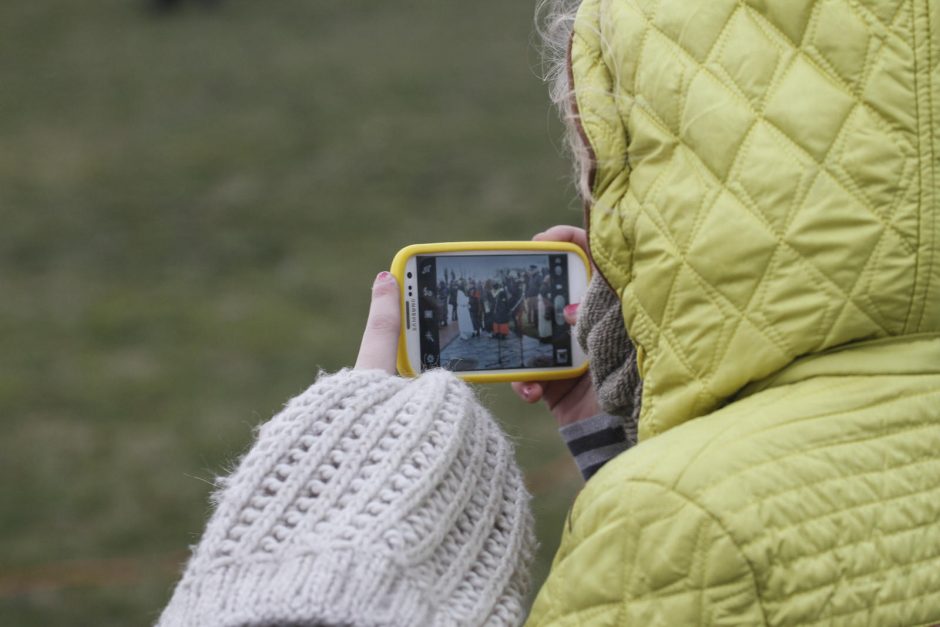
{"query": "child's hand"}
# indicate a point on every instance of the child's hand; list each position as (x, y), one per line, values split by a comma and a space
(379, 347)
(569, 400)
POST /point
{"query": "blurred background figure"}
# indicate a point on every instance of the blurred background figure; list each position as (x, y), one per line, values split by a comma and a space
(164, 6)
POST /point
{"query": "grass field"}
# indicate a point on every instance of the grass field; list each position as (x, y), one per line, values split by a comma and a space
(193, 208)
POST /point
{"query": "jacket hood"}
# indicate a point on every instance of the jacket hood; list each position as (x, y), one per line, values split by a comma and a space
(764, 182)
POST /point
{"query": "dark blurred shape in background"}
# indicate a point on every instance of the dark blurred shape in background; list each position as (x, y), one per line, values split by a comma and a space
(192, 213)
(165, 6)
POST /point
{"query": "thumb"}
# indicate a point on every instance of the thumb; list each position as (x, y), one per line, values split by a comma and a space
(379, 347)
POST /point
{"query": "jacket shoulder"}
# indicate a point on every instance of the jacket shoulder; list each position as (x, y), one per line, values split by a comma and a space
(800, 504)
(636, 551)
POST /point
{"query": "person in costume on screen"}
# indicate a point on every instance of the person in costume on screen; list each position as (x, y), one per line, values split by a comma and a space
(464, 318)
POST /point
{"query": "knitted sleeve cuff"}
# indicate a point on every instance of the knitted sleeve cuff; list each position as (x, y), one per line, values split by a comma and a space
(340, 586)
(369, 500)
(595, 441)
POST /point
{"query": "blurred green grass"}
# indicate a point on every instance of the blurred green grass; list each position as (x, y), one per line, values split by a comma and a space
(193, 208)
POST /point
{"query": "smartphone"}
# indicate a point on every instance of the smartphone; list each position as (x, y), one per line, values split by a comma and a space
(491, 311)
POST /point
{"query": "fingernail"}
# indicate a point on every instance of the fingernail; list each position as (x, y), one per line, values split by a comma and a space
(571, 310)
(383, 276)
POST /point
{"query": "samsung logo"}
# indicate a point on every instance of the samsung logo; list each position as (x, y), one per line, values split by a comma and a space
(411, 314)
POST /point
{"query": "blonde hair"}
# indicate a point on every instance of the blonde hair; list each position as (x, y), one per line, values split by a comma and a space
(554, 22)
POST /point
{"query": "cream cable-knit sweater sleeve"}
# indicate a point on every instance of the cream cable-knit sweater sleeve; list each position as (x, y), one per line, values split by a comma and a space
(369, 500)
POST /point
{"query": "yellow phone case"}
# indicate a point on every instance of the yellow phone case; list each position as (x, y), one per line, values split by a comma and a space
(398, 269)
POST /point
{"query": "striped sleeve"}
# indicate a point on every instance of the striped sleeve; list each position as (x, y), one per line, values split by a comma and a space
(594, 441)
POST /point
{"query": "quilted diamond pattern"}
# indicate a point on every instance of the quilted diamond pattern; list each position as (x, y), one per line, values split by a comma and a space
(763, 186)
(813, 503)
(764, 190)
(816, 121)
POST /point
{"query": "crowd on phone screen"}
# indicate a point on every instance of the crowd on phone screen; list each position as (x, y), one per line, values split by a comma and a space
(510, 303)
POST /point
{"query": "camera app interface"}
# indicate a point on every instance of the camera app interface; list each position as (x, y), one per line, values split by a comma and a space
(493, 312)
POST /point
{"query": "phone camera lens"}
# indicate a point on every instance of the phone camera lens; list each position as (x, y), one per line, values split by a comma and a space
(409, 275)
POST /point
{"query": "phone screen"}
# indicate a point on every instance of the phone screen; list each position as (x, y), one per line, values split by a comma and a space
(493, 312)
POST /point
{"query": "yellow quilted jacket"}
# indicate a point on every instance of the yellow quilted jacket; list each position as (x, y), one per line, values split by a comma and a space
(765, 203)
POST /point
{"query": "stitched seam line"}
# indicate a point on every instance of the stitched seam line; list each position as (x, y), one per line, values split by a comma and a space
(857, 506)
(826, 416)
(927, 595)
(929, 216)
(920, 170)
(814, 484)
(846, 545)
(914, 564)
(758, 599)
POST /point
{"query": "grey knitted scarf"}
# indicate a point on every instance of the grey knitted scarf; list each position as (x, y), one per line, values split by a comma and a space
(602, 334)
